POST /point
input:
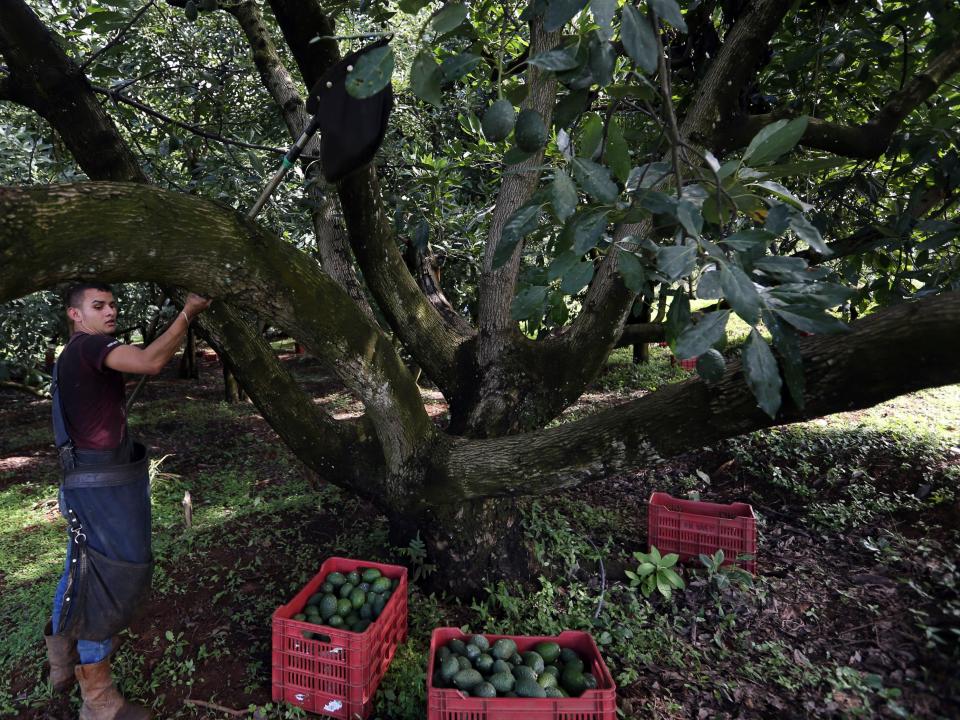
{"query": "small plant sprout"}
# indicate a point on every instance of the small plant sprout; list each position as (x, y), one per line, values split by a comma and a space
(723, 576)
(655, 573)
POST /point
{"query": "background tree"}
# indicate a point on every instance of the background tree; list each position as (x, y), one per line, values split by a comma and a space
(786, 164)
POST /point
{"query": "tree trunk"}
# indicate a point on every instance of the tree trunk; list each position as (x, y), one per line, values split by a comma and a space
(188, 369)
(231, 388)
(472, 545)
(641, 350)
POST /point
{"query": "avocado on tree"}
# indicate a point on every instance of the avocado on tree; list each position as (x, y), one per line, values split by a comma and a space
(786, 166)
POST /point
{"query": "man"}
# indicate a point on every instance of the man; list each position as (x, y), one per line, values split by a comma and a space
(104, 495)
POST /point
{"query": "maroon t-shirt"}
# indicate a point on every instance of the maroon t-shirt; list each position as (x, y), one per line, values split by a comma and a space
(93, 395)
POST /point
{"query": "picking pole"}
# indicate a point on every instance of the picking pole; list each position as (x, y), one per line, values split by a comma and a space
(288, 160)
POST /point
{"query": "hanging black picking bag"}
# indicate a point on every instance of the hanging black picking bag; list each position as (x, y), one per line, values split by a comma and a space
(108, 511)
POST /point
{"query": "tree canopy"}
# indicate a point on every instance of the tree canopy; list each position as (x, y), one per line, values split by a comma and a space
(657, 166)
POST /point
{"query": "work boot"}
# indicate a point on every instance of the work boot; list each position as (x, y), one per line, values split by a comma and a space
(101, 699)
(63, 657)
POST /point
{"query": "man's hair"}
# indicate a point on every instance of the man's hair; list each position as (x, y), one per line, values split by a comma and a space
(73, 297)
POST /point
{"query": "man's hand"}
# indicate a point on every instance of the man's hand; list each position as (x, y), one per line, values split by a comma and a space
(195, 304)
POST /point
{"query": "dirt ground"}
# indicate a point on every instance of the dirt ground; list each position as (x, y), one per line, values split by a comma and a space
(857, 620)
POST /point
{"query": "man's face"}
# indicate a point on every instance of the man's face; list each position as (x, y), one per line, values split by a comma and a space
(97, 313)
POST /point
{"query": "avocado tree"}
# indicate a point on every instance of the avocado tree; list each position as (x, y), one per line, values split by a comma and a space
(793, 164)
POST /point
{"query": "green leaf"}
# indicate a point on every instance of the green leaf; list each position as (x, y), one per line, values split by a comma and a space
(586, 227)
(638, 39)
(774, 140)
(563, 196)
(673, 578)
(425, 78)
(697, 339)
(449, 17)
(748, 239)
(669, 10)
(778, 219)
(805, 167)
(709, 286)
(595, 180)
(560, 12)
(603, 56)
(371, 74)
(676, 261)
(617, 154)
(561, 265)
(577, 278)
(806, 231)
(678, 317)
(786, 343)
(632, 271)
(663, 585)
(515, 155)
(779, 264)
(812, 320)
(559, 59)
(590, 136)
(411, 7)
(529, 303)
(456, 66)
(655, 557)
(518, 225)
(569, 107)
(739, 291)
(763, 377)
(690, 217)
(645, 569)
(603, 12)
(783, 193)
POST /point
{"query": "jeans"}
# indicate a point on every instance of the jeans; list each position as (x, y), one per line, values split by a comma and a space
(91, 651)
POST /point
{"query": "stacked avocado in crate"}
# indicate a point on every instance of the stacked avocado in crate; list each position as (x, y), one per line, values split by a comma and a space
(509, 677)
(333, 642)
(351, 601)
(500, 670)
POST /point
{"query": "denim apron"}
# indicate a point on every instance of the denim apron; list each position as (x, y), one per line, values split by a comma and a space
(105, 497)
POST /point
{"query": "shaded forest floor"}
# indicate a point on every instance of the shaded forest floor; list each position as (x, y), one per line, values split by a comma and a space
(855, 611)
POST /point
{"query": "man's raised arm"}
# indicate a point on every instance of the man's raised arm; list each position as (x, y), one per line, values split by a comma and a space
(152, 359)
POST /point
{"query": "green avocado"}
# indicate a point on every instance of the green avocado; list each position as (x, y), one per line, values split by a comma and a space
(467, 679)
(549, 651)
(530, 133)
(710, 365)
(502, 681)
(498, 120)
(484, 690)
(504, 648)
(529, 689)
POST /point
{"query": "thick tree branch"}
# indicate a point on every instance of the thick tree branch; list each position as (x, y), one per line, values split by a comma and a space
(908, 347)
(518, 185)
(585, 344)
(43, 78)
(146, 234)
(110, 158)
(433, 339)
(869, 235)
(867, 140)
(344, 453)
(430, 337)
(335, 255)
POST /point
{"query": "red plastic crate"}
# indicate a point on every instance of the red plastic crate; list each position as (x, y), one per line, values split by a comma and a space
(336, 677)
(691, 527)
(451, 704)
(689, 364)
